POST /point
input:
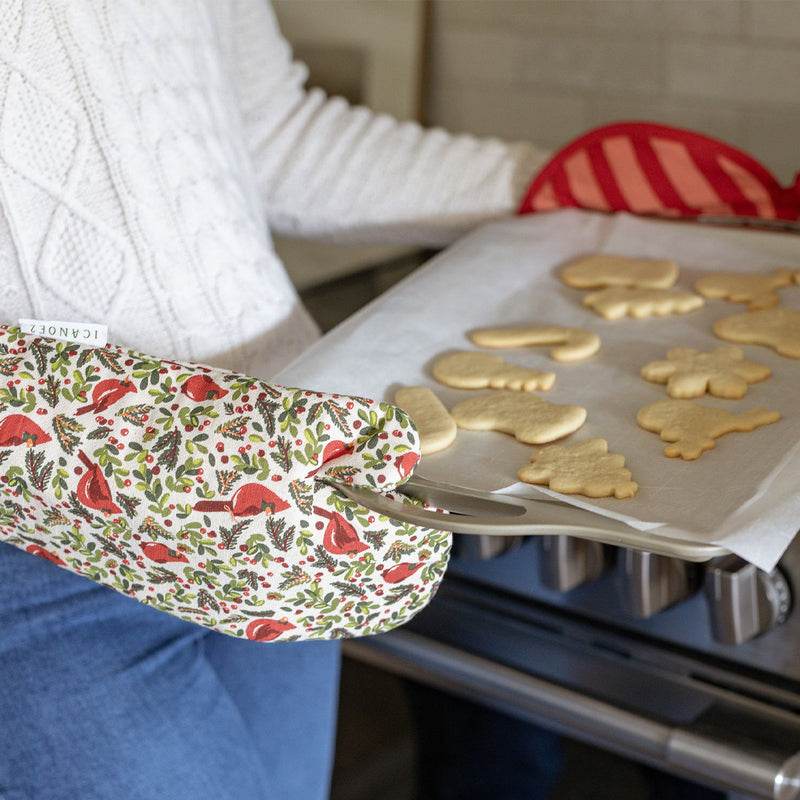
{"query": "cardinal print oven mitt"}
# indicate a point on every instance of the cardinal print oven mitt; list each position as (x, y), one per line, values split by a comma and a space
(198, 491)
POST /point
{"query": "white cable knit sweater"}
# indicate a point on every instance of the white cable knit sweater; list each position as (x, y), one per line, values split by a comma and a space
(146, 146)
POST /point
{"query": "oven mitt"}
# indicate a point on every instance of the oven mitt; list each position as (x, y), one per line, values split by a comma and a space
(651, 169)
(199, 491)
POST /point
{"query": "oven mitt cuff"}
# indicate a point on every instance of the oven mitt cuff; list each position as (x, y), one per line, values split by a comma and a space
(204, 493)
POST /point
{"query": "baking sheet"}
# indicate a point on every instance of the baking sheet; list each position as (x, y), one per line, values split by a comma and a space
(742, 495)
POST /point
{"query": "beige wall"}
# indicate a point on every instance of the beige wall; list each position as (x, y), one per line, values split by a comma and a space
(551, 69)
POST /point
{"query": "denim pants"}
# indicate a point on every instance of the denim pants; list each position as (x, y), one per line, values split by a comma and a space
(102, 698)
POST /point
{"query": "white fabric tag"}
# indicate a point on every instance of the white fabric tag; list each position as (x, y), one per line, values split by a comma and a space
(83, 332)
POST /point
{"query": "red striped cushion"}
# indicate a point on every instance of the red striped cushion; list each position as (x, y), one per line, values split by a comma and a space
(652, 169)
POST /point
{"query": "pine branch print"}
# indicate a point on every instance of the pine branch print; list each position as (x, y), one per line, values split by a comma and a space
(128, 503)
(349, 589)
(77, 508)
(54, 517)
(269, 413)
(398, 550)
(168, 448)
(50, 391)
(205, 598)
(110, 360)
(152, 530)
(67, 432)
(136, 415)
(234, 428)
(4, 454)
(281, 534)
(162, 575)
(294, 577)
(40, 350)
(99, 433)
(323, 558)
(8, 365)
(249, 576)
(226, 480)
(301, 493)
(342, 473)
(338, 415)
(282, 454)
(38, 471)
(229, 537)
(399, 592)
(376, 538)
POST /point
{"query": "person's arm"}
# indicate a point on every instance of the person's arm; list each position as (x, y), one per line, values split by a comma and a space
(329, 170)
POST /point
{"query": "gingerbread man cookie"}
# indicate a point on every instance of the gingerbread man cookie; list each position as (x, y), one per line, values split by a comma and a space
(755, 290)
(526, 416)
(586, 468)
(474, 370)
(776, 327)
(618, 301)
(572, 344)
(689, 373)
(603, 269)
(692, 428)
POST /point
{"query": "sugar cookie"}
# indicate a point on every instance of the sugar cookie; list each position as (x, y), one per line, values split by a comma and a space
(755, 290)
(573, 344)
(474, 370)
(776, 327)
(692, 428)
(689, 373)
(436, 428)
(618, 301)
(524, 415)
(602, 270)
(586, 468)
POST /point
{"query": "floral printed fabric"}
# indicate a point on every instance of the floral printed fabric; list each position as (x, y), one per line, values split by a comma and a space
(198, 491)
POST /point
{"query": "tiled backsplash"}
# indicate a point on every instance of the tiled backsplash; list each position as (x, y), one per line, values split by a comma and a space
(549, 70)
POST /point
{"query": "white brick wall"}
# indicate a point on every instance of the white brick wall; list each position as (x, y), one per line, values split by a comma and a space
(548, 70)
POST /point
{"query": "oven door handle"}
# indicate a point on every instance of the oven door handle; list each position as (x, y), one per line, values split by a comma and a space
(704, 753)
(470, 511)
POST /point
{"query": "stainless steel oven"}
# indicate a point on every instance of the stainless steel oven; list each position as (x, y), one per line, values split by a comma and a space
(683, 655)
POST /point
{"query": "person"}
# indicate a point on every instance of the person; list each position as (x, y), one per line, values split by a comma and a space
(146, 152)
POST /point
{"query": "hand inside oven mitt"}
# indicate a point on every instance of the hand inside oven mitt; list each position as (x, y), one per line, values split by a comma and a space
(199, 491)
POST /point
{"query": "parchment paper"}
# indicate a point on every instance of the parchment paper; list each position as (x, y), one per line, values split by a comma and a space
(744, 494)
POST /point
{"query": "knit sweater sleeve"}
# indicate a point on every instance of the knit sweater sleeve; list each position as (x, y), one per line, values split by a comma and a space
(327, 169)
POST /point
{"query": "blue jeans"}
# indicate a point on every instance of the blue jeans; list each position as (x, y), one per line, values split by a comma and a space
(102, 698)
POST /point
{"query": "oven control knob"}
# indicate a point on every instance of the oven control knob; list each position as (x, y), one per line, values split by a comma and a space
(652, 583)
(482, 547)
(744, 601)
(567, 561)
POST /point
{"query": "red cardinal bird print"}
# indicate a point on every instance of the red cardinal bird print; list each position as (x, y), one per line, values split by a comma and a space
(247, 501)
(38, 550)
(202, 387)
(93, 489)
(18, 429)
(335, 449)
(400, 572)
(340, 536)
(266, 629)
(106, 393)
(405, 463)
(156, 551)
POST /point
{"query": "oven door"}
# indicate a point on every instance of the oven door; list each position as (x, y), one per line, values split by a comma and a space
(634, 690)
